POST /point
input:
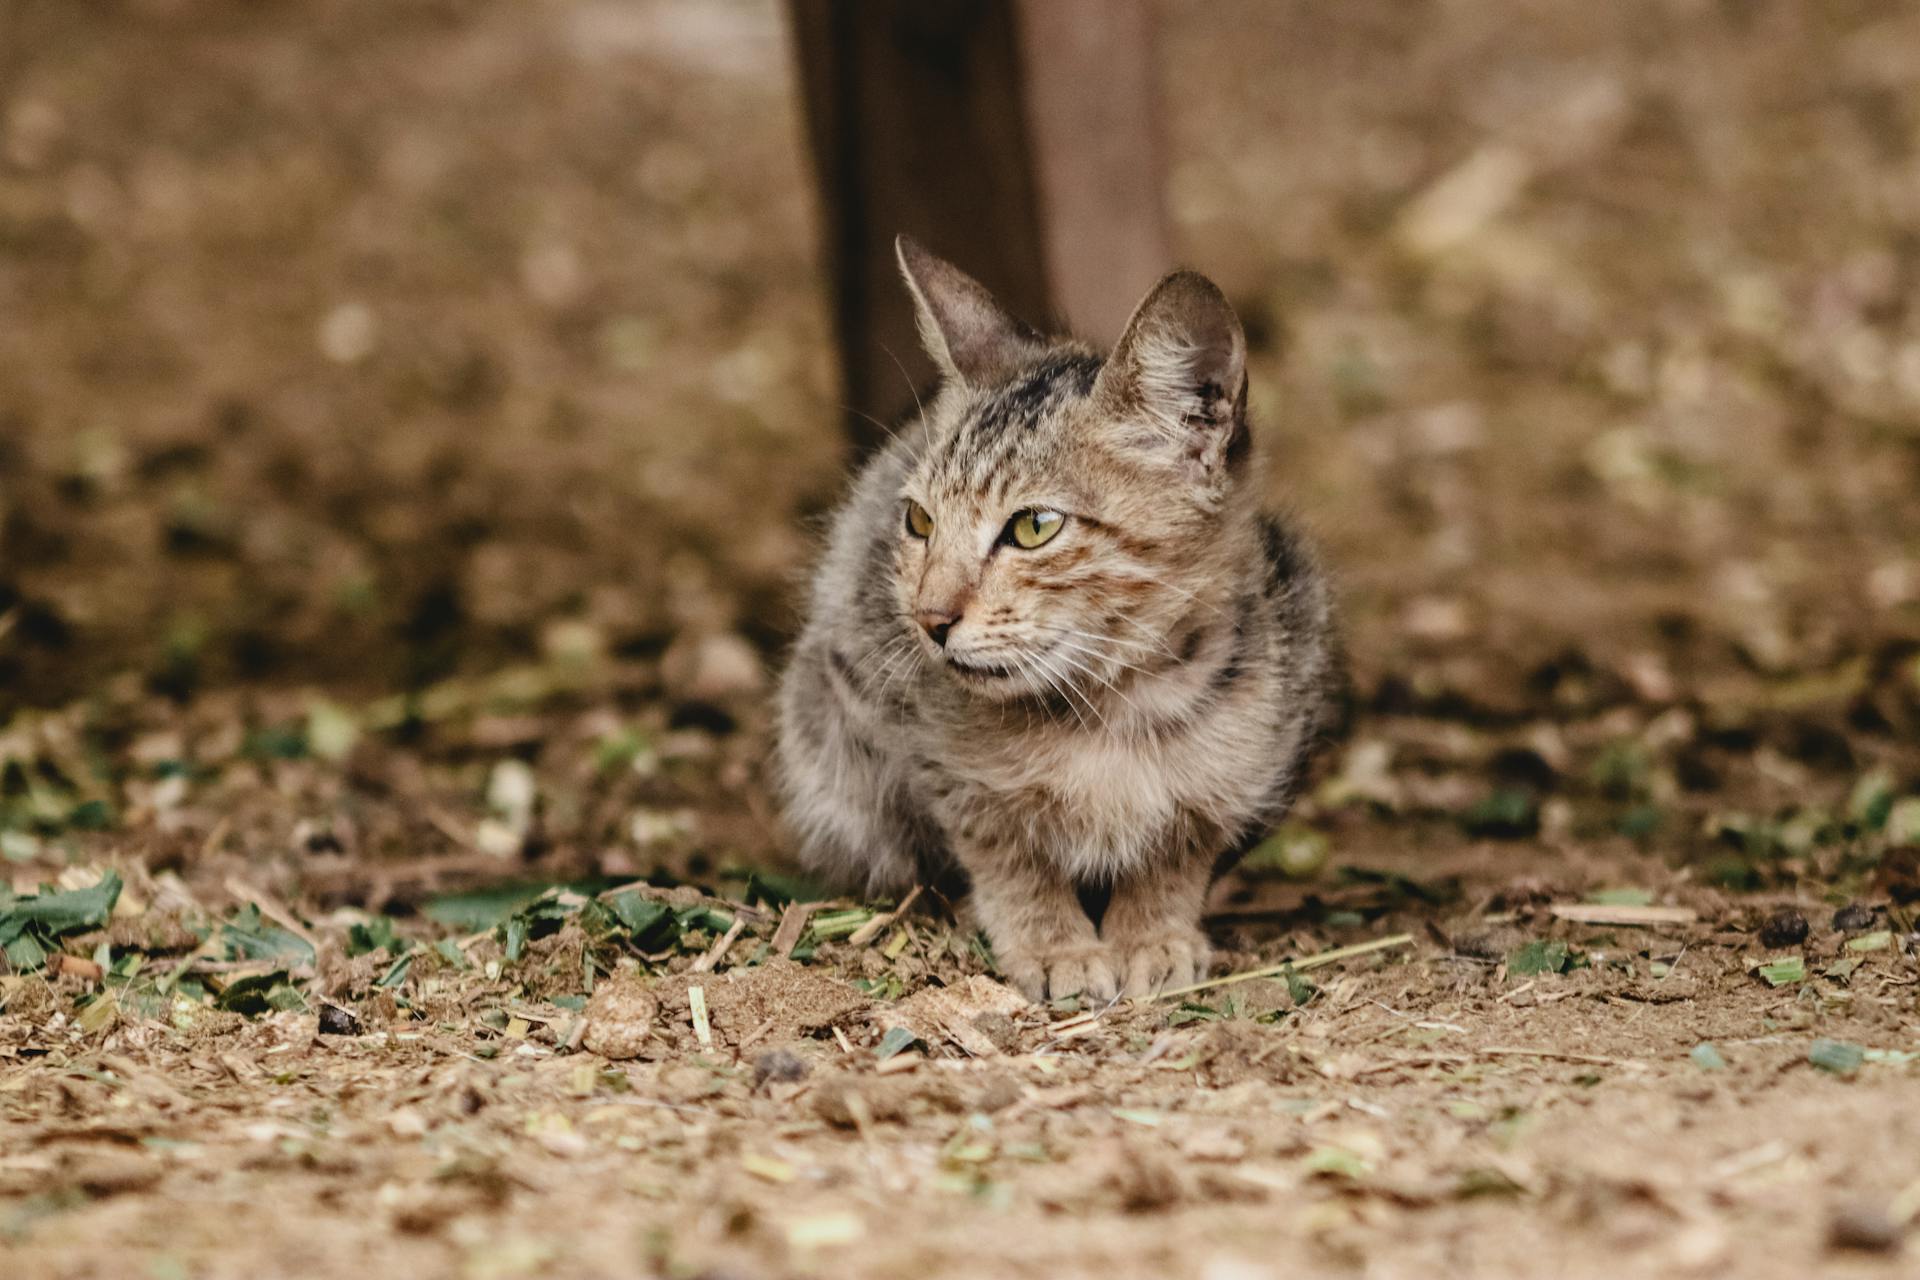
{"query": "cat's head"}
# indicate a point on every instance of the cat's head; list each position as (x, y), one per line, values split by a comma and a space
(1069, 515)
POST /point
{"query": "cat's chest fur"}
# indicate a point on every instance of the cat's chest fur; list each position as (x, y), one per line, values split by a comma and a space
(1099, 803)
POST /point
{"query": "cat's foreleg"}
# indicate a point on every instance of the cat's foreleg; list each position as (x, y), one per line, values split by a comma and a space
(1043, 940)
(1152, 926)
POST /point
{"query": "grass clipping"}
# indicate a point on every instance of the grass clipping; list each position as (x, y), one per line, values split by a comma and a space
(1315, 961)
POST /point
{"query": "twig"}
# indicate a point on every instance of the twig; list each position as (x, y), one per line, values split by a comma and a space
(60, 962)
(1308, 962)
(718, 950)
(216, 838)
(871, 929)
(1605, 913)
(448, 825)
(793, 923)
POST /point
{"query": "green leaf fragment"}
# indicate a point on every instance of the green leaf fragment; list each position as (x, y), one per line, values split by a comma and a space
(374, 935)
(1621, 897)
(1485, 1181)
(1893, 1057)
(396, 972)
(1294, 851)
(1707, 1057)
(64, 911)
(897, 1040)
(1879, 940)
(1841, 1057)
(1546, 956)
(332, 730)
(829, 925)
(1903, 821)
(1189, 1012)
(1871, 803)
(30, 924)
(711, 918)
(639, 914)
(250, 937)
(25, 953)
(1509, 813)
(1299, 989)
(1787, 969)
(259, 993)
(483, 908)
(1335, 1162)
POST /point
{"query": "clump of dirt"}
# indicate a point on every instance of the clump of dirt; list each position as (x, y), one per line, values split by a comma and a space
(622, 1018)
(770, 1004)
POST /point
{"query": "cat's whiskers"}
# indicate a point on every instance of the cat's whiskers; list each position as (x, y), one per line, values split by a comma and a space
(890, 432)
(896, 658)
(918, 408)
(1072, 639)
(1030, 665)
(1121, 641)
(1190, 597)
(880, 650)
(1051, 660)
(1068, 658)
(1149, 636)
(899, 670)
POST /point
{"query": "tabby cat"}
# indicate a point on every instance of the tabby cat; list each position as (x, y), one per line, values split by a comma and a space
(1055, 643)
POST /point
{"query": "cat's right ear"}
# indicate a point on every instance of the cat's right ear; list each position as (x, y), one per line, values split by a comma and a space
(969, 335)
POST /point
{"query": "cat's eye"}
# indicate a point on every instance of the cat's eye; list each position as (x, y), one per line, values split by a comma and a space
(919, 523)
(1030, 529)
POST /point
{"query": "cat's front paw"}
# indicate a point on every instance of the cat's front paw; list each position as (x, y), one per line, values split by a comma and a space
(1161, 960)
(1074, 969)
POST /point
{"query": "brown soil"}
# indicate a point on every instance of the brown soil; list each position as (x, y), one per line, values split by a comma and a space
(408, 420)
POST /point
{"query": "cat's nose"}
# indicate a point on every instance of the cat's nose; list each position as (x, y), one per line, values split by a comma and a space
(936, 623)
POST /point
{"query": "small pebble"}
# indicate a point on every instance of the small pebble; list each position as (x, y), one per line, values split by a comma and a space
(1863, 1229)
(1784, 928)
(335, 1021)
(1852, 918)
(779, 1067)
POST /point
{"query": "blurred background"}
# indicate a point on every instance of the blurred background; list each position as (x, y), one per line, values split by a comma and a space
(364, 366)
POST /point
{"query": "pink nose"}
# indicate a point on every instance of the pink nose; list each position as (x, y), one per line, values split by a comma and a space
(936, 623)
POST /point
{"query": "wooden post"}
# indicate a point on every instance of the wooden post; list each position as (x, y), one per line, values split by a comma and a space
(1019, 138)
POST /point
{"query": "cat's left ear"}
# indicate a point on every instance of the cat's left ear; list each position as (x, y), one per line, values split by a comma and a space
(1180, 371)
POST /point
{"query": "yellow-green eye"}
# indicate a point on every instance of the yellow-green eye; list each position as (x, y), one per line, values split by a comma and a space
(919, 523)
(1032, 529)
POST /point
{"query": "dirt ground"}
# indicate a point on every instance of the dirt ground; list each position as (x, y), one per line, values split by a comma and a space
(410, 417)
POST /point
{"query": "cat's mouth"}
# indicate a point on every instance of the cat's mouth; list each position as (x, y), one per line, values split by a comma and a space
(983, 671)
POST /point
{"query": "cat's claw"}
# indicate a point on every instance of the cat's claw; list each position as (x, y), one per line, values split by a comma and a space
(1053, 973)
(1161, 962)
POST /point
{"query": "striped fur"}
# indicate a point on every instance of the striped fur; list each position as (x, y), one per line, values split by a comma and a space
(1116, 711)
